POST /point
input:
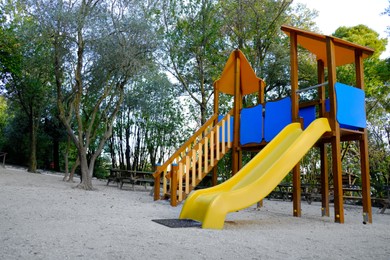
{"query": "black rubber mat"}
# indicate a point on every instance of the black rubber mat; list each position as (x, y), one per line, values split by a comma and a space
(178, 223)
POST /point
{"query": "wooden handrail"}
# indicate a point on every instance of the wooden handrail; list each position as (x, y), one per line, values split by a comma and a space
(187, 143)
(190, 154)
(201, 149)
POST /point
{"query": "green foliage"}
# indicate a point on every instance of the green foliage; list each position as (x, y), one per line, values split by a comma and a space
(16, 137)
(103, 51)
(26, 70)
(3, 120)
(362, 35)
(193, 51)
(377, 79)
(101, 168)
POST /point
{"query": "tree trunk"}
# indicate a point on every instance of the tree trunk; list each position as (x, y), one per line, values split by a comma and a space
(203, 114)
(56, 154)
(73, 170)
(112, 151)
(137, 151)
(121, 153)
(127, 151)
(86, 172)
(66, 159)
(33, 144)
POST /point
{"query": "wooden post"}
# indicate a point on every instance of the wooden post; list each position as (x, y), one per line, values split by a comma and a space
(236, 114)
(335, 139)
(173, 187)
(321, 90)
(157, 181)
(363, 143)
(261, 92)
(212, 148)
(295, 118)
(322, 146)
(214, 180)
(324, 180)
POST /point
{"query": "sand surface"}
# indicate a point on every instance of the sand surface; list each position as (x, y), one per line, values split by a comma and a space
(42, 217)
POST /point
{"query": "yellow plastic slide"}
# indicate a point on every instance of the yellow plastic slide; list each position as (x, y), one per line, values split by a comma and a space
(256, 179)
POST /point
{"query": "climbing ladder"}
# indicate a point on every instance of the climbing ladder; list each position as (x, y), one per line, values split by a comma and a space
(187, 167)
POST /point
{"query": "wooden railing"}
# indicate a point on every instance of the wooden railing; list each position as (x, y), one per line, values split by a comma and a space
(193, 160)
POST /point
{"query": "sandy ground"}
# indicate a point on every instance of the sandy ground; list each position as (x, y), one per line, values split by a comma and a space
(42, 217)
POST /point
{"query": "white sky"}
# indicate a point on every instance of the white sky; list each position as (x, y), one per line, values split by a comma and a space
(335, 13)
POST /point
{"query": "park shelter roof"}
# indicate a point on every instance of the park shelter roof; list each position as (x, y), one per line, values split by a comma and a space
(249, 82)
(316, 44)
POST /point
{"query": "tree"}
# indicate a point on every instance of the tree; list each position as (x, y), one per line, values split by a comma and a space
(56, 132)
(193, 50)
(3, 119)
(26, 70)
(150, 125)
(98, 47)
(160, 117)
(377, 80)
(254, 27)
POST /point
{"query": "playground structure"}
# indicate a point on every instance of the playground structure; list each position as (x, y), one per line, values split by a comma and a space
(343, 109)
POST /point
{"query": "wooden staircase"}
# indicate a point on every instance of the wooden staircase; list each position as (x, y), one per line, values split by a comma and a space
(192, 162)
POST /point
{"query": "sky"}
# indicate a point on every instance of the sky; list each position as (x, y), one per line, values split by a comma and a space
(335, 13)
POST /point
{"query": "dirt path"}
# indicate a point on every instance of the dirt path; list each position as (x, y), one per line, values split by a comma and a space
(42, 217)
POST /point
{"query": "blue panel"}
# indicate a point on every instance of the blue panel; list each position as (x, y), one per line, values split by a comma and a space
(327, 105)
(251, 125)
(226, 129)
(350, 106)
(277, 116)
(308, 114)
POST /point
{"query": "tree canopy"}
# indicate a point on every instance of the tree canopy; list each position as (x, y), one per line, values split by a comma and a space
(128, 80)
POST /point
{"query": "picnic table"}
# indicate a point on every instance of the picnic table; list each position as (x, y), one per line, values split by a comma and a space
(352, 193)
(284, 191)
(385, 201)
(130, 176)
(114, 176)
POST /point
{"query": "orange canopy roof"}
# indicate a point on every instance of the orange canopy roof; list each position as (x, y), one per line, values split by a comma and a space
(249, 82)
(316, 44)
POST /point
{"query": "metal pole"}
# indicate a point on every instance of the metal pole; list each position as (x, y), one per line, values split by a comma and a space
(312, 87)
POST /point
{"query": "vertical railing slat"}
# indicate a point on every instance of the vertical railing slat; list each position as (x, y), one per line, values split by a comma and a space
(187, 170)
(206, 154)
(228, 131)
(180, 173)
(200, 161)
(173, 184)
(193, 165)
(165, 183)
(198, 157)
(223, 137)
(212, 148)
(217, 143)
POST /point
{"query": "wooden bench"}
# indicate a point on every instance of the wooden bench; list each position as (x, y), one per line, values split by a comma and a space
(114, 176)
(385, 201)
(129, 176)
(352, 193)
(385, 205)
(284, 191)
(136, 178)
